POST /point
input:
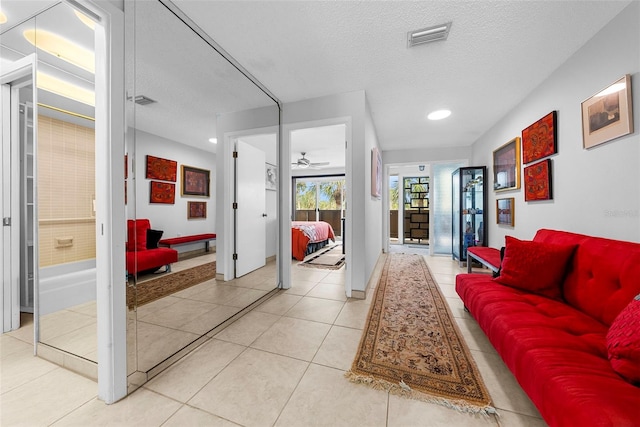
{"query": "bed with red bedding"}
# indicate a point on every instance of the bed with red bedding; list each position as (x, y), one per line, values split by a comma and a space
(309, 234)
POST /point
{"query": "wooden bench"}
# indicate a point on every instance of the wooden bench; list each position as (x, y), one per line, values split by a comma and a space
(489, 257)
(184, 240)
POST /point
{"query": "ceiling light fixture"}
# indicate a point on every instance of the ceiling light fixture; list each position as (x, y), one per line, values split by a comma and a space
(85, 20)
(62, 48)
(439, 114)
(66, 89)
(3, 17)
(428, 35)
(213, 140)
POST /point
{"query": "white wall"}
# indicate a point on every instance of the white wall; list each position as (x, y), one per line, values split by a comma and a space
(374, 213)
(595, 191)
(425, 155)
(172, 219)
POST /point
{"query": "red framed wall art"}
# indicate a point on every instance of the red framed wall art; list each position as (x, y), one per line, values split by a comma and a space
(162, 192)
(540, 139)
(537, 181)
(162, 169)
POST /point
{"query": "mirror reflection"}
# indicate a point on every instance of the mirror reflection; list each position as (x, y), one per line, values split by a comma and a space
(180, 90)
(57, 175)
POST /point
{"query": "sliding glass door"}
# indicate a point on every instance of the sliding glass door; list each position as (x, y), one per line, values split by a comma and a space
(320, 199)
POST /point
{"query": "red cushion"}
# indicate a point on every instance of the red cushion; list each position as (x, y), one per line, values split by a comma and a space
(604, 274)
(623, 342)
(137, 234)
(187, 239)
(535, 266)
(150, 259)
(557, 354)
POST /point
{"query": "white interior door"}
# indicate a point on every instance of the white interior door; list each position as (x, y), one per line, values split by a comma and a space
(250, 217)
(17, 82)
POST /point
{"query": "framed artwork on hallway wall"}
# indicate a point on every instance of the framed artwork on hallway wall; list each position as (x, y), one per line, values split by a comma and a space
(540, 139)
(537, 181)
(162, 192)
(195, 182)
(505, 211)
(506, 166)
(376, 173)
(162, 169)
(608, 114)
(196, 210)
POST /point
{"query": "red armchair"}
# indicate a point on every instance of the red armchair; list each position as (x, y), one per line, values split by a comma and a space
(141, 253)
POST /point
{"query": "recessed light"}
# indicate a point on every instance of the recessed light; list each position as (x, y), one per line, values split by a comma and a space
(439, 115)
(66, 89)
(62, 48)
(86, 20)
(213, 140)
(3, 17)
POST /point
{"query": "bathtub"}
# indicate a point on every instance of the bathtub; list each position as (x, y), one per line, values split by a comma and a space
(66, 285)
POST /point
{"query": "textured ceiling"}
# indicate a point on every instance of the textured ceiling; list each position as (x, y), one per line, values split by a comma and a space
(497, 53)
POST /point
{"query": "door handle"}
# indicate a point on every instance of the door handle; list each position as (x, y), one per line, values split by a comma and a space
(264, 215)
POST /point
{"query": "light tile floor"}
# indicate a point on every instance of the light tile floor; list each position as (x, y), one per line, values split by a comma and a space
(282, 364)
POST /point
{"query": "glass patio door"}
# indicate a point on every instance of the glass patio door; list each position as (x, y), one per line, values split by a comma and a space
(321, 199)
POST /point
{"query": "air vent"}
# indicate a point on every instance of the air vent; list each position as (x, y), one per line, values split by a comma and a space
(428, 35)
(143, 100)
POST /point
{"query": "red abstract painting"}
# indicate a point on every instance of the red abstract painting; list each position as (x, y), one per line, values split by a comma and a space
(163, 169)
(537, 181)
(539, 139)
(162, 192)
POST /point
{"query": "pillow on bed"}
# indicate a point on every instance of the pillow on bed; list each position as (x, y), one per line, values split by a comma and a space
(153, 237)
(536, 267)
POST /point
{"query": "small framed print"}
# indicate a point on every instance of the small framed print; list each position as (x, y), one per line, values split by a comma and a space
(506, 166)
(505, 213)
(608, 114)
(271, 177)
(537, 181)
(196, 210)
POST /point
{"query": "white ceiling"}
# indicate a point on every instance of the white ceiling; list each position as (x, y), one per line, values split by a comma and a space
(497, 53)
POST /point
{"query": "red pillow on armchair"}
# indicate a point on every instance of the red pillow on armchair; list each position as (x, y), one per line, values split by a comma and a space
(137, 234)
(535, 266)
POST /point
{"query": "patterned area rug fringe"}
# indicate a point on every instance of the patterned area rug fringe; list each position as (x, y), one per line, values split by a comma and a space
(411, 345)
(403, 390)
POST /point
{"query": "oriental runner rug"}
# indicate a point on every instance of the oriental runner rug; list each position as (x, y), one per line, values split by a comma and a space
(411, 344)
(330, 259)
(150, 290)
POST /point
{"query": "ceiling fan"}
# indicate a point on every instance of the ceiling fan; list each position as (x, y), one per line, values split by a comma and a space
(304, 163)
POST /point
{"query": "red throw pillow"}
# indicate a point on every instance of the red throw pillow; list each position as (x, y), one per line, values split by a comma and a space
(536, 267)
(623, 342)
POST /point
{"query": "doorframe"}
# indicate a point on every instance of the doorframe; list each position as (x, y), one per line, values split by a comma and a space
(286, 195)
(110, 207)
(10, 295)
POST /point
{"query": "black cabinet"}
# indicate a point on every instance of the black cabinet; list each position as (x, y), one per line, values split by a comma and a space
(469, 210)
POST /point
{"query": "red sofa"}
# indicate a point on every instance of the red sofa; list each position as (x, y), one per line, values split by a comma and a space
(141, 257)
(556, 341)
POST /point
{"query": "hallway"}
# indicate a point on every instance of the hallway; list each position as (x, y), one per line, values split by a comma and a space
(281, 364)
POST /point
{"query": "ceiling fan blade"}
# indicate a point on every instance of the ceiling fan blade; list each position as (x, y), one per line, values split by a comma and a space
(320, 163)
